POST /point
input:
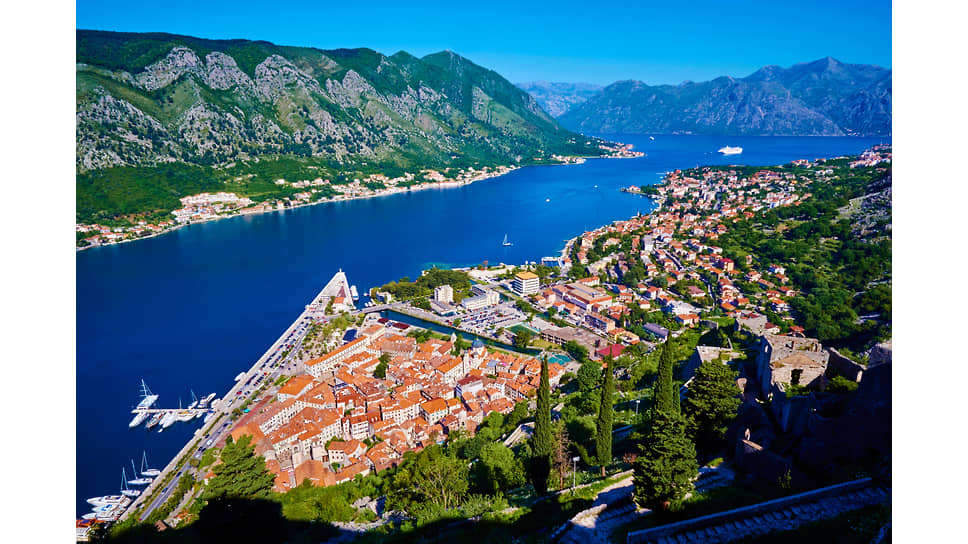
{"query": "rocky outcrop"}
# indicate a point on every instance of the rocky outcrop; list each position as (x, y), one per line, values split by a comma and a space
(147, 99)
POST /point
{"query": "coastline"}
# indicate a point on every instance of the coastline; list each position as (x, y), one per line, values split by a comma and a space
(450, 184)
(341, 198)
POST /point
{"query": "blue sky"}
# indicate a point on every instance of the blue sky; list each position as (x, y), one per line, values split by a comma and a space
(598, 42)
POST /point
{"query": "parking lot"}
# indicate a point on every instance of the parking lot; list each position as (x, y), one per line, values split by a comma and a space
(488, 320)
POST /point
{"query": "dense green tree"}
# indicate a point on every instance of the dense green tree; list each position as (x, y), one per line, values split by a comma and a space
(577, 351)
(588, 375)
(497, 470)
(241, 474)
(516, 416)
(542, 441)
(711, 404)
(522, 339)
(666, 463)
(430, 476)
(381, 368)
(603, 436)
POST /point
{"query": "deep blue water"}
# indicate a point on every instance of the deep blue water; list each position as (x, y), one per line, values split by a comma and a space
(193, 308)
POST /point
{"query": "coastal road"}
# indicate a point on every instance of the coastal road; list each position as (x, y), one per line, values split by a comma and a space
(224, 408)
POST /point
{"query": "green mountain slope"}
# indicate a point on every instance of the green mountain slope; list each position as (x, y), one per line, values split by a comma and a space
(229, 106)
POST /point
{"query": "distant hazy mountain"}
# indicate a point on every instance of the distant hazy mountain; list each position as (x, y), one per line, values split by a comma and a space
(824, 97)
(557, 98)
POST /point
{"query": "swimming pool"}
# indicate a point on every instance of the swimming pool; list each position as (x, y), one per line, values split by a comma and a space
(559, 359)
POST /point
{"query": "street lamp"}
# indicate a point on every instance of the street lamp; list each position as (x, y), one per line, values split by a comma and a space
(574, 465)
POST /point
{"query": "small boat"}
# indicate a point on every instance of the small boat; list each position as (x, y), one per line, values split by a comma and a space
(89, 516)
(138, 481)
(652, 137)
(153, 472)
(730, 150)
(155, 419)
(506, 243)
(194, 400)
(547, 200)
(354, 293)
(124, 486)
(240, 376)
(208, 417)
(202, 403)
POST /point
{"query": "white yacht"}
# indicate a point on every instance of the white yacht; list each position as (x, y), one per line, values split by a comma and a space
(108, 500)
(138, 418)
(144, 480)
(124, 486)
(153, 472)
(147, 399)
(730, 150)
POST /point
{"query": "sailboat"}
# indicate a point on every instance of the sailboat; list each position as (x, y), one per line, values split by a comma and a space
(147, 471)
(124, 486)
(506, 243)
(138, 481)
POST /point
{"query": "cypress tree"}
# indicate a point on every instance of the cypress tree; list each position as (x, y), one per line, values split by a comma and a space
(663, 391)
(543, 439)
(666, 464)
(667, 461)
(603, 438)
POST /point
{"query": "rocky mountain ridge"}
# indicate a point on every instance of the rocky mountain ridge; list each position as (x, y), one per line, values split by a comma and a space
(825, 97)
(149, 99)
(556, 97)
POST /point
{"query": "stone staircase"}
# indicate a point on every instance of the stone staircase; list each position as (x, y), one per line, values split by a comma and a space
(614, 507)
(767, 517)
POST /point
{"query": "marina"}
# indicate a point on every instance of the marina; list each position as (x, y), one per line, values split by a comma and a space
(336, 293)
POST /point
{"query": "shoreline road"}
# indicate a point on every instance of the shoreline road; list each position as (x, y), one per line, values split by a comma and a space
(241, 391)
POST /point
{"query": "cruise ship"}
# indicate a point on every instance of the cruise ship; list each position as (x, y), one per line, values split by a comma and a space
(730, 150)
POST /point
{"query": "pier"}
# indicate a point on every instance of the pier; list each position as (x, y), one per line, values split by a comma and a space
(230, 400)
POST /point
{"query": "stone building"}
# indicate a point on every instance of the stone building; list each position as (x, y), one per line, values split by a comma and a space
(789, 360)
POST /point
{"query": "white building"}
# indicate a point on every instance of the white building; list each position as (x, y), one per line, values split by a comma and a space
(489, 298)
(525, 283)
(444, 293)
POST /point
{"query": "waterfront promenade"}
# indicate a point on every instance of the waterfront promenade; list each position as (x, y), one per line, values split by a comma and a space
(215, 430)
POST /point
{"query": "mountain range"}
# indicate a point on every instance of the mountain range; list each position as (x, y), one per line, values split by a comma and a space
(823, 97)
(556, 98)
(150, 98)
(255, 111)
